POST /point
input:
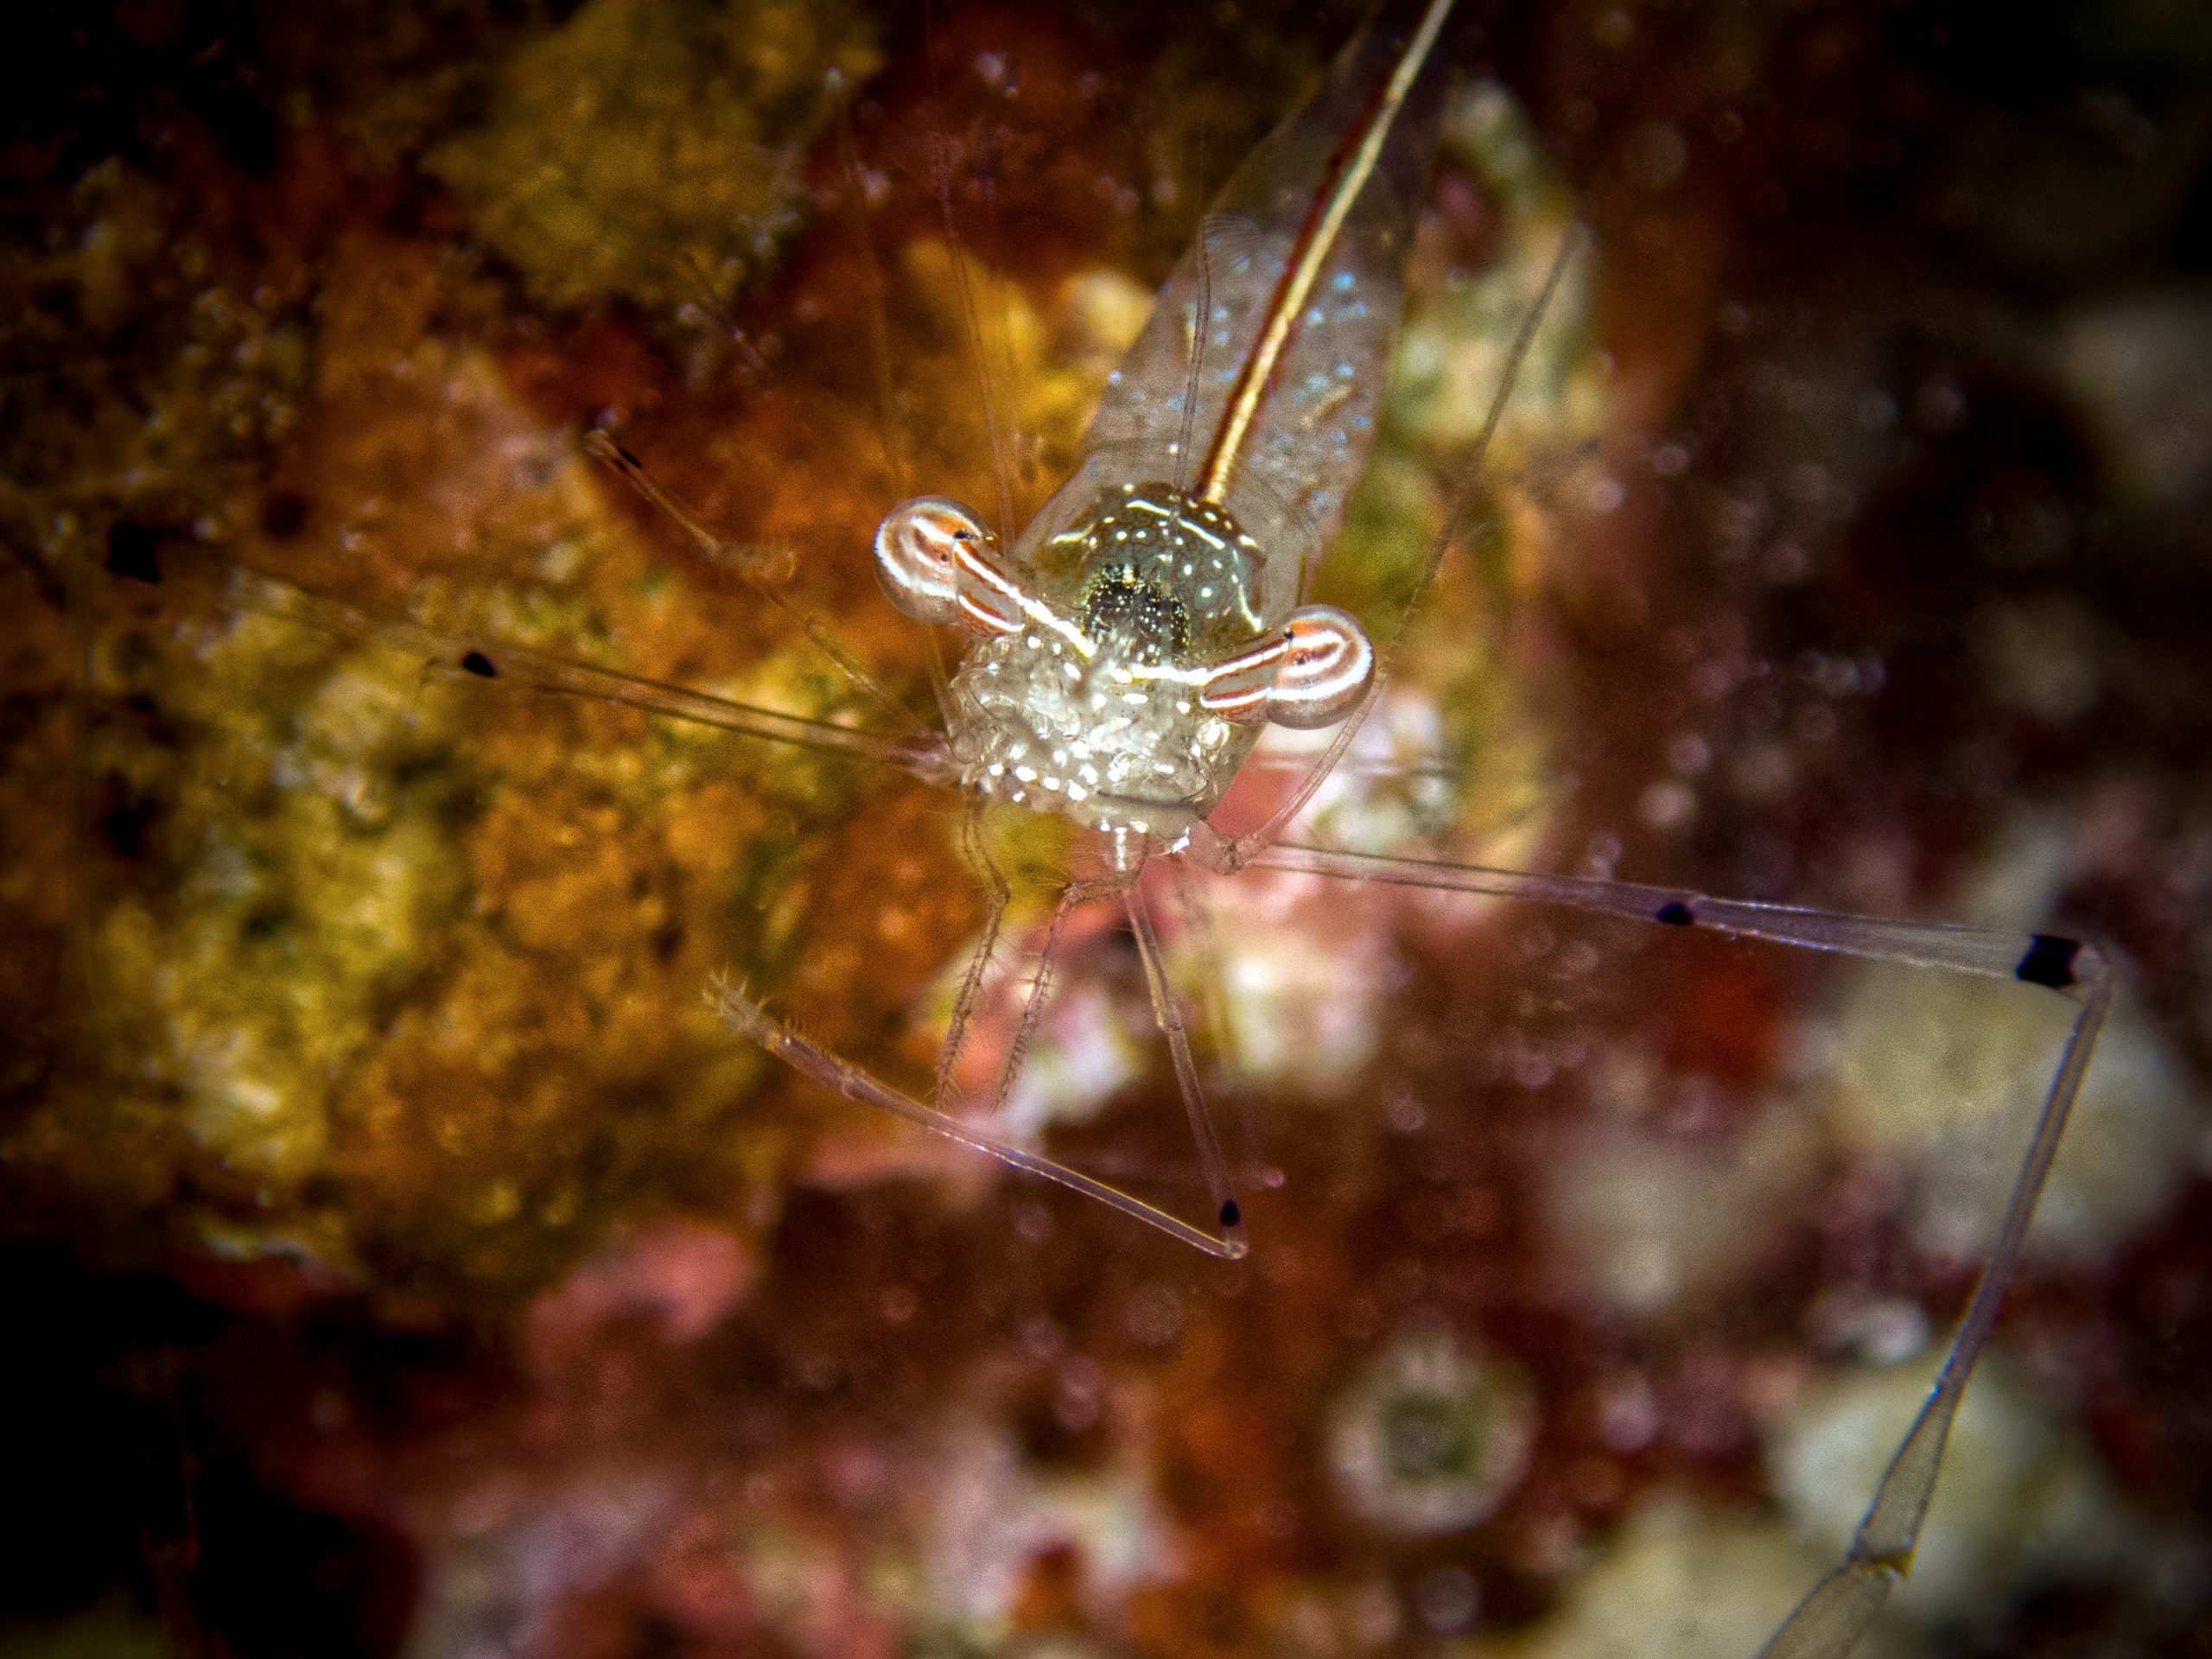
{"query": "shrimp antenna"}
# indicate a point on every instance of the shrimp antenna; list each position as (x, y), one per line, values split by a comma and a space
(758, 568)
(889, 426)
(1570, 244)
(1231, 228)
(189, 570)
(1201, 320)
(971, 317)
(879, 326)
(700, 280)
(1232, 854)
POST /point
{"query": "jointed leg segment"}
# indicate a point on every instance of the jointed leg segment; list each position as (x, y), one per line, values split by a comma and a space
(1829, 1622)
(1167, 1010)
(855, 1083)
(995, 895)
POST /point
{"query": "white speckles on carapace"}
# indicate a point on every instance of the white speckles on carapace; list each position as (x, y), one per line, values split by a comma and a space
(1122, 578)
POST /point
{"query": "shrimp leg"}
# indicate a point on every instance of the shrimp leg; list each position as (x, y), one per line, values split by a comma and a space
(997, 895)
(1829, 1622)
(855, 1083)
(1167, 1010)
(1458, 526)
(1076, 894)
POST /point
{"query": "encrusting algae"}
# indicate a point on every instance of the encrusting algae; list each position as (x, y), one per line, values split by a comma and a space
(653, 152)
(360, 1006)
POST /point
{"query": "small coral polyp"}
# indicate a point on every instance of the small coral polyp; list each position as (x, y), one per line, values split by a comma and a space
(1433, 1436)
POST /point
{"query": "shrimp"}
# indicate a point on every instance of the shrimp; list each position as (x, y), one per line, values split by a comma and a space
(1130, 644)
(1126, 648)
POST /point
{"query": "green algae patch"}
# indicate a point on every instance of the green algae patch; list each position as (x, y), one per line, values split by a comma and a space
(400, 976)
(1454, 349)
(651, 152)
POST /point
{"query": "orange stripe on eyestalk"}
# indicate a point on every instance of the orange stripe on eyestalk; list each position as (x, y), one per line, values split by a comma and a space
(1238, 687)
(1325, 671)
(990, 599)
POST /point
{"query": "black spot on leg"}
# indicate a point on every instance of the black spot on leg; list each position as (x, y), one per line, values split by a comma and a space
(2049, 961)
(1230, 1213)
(131, 550)
(478, 664)
(1673, 913)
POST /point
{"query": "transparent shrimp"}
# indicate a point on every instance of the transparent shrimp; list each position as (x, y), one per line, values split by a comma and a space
(1130, 642)
(1126, 648)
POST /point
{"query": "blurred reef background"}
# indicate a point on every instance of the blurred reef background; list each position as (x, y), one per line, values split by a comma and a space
(398, 1259)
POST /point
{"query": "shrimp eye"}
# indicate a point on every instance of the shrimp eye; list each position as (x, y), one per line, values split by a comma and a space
(937, 562)
(917, 549)
(1327, 669)
(1312, 674)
